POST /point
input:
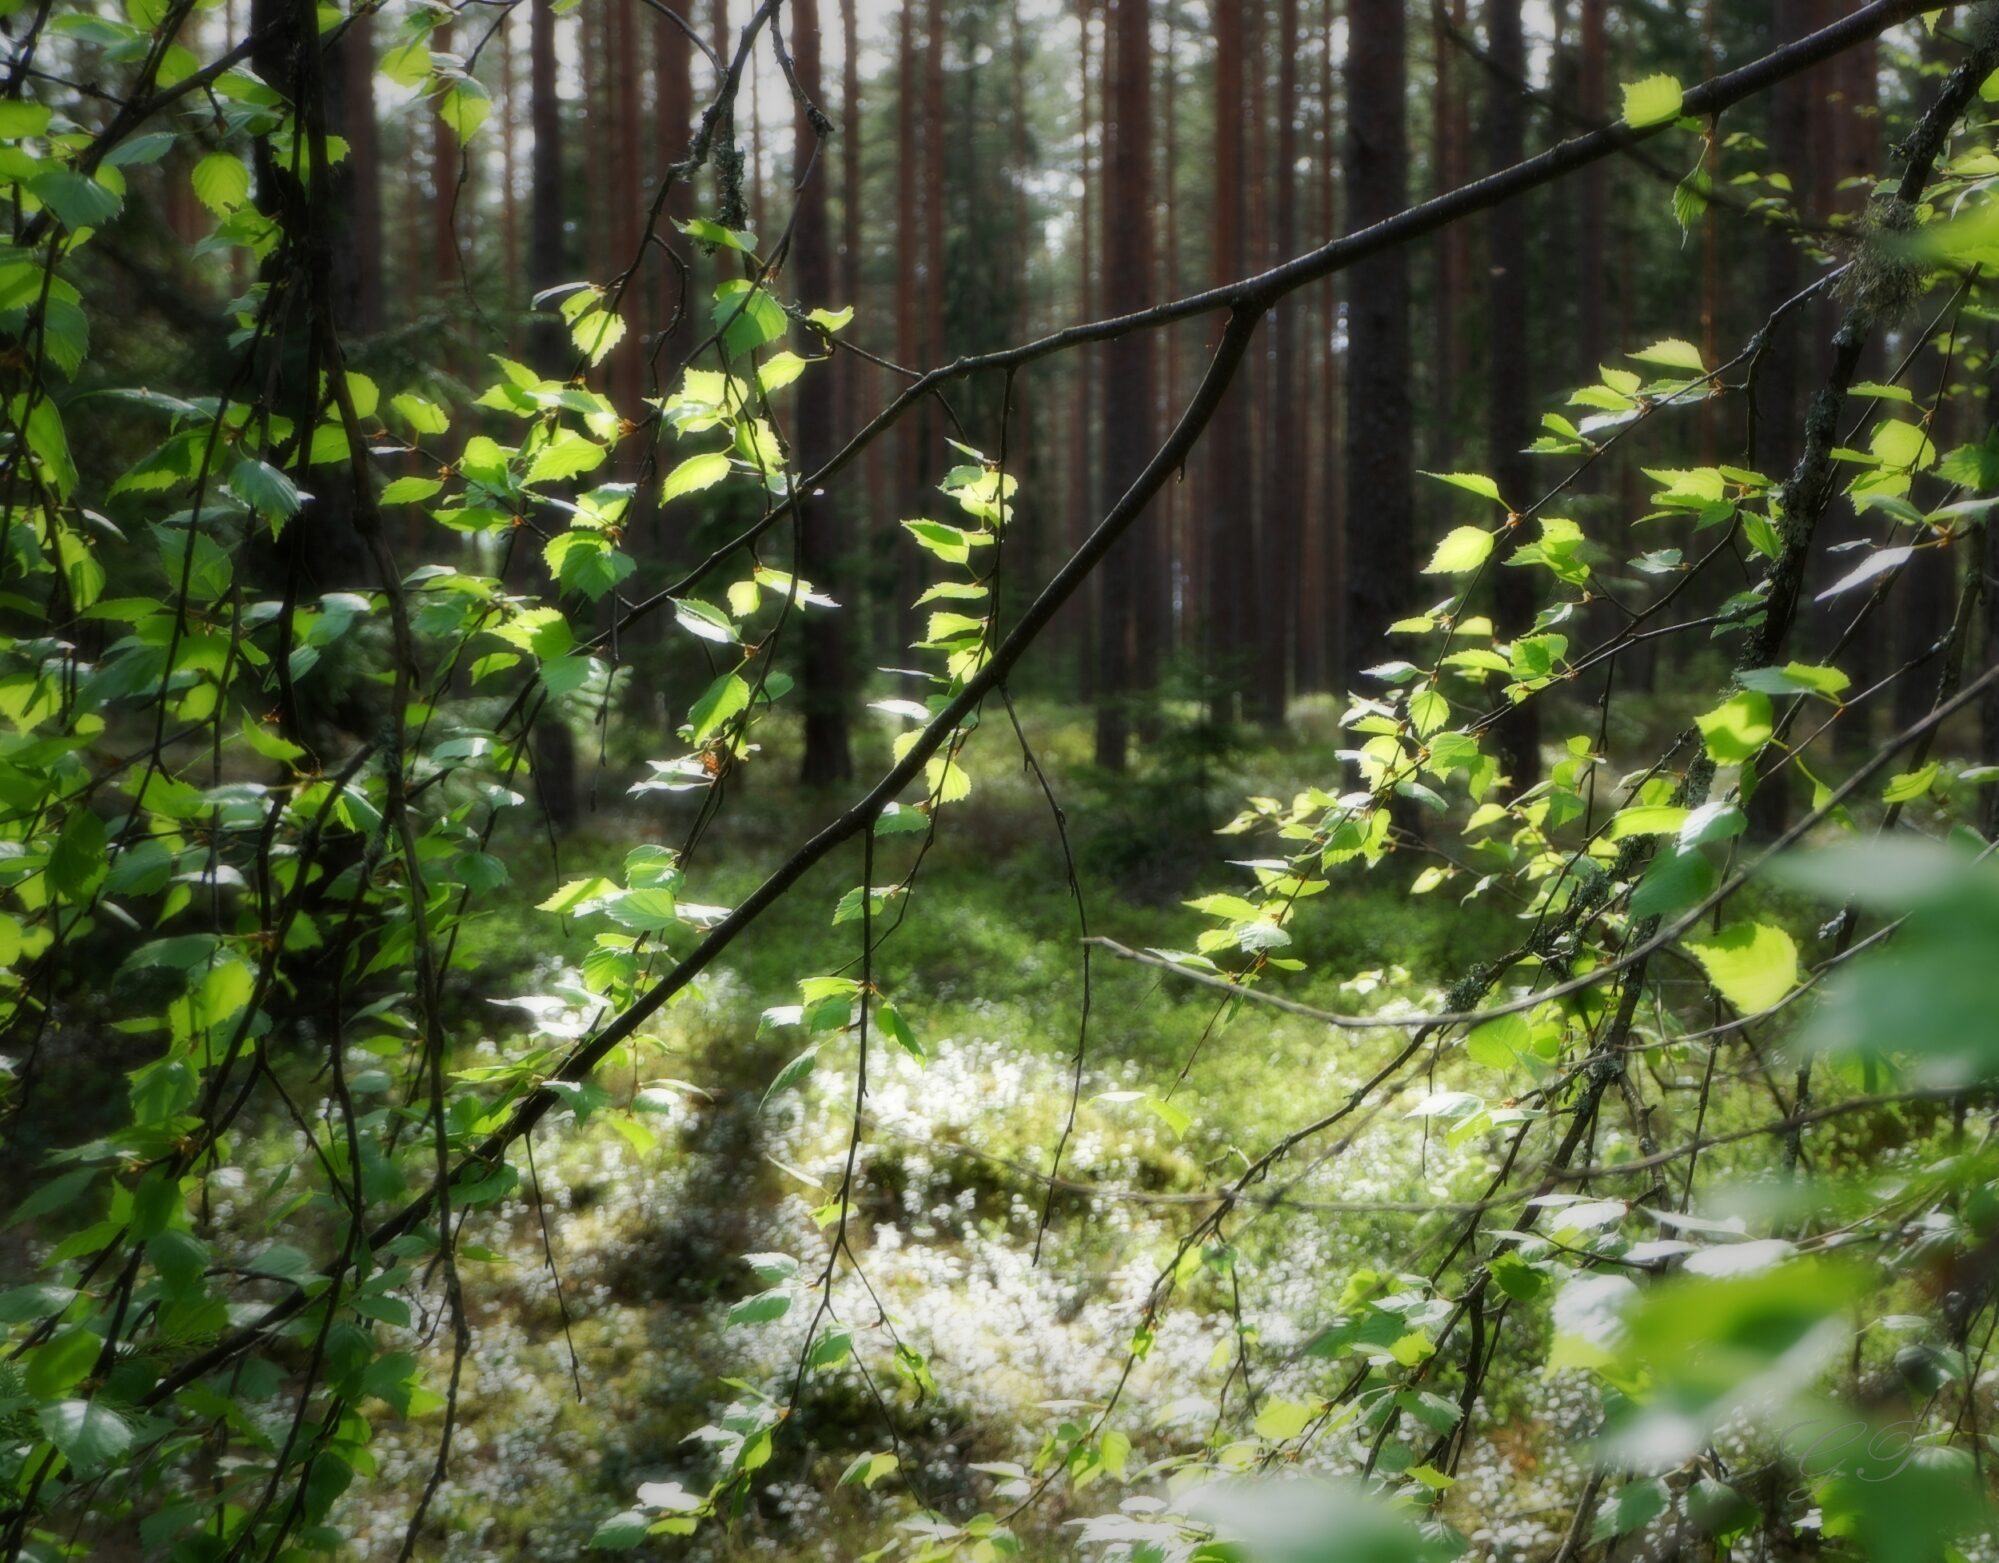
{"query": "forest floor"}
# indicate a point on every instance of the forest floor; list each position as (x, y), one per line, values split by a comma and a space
(987, 965)
(599, 1292)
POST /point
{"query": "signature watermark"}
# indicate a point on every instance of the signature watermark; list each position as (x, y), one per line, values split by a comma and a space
(1836, 1445)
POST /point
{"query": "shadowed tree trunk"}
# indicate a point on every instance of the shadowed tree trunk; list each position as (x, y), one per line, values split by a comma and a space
(1510, 386)
(509, 114)
(554, 745)
(626, 366)
(908, 344)
(411, 228)
(1019, 156)
(1931, 587)
(849, 149)
(1378, 559)
(1262, 645)
(321, 550)
(1593, 198)
(932, 160)
(824, 672)
(1227, 545)
(1171, 530)
(1790, 153)
(672, 129)
(1128, 389)
(444, 172)
(1281, 546)
(850, 372)
(936, 218)
(350, 110)
(1152, 609)
(758, 207)
(1711, 285)
(1842, 135)
(1986, 557)
(546, 262)
(1083, 377)
(1556, 228)
(1320, 582)
(1449, 168)
(1794, 151)
(876, 539)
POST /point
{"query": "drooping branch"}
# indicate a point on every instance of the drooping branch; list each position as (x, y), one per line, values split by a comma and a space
(533, 1107)
(1247, 302)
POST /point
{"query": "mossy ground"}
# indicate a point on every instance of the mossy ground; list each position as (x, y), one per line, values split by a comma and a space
(986, 963)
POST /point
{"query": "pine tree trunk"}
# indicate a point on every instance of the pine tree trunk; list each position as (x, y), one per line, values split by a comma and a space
(1378, 559)
(322, 551)
(1558, 273)
(850, 372)
(415, 232)
(936, 173)
(1789, 138)
(1128, 262)
(1928, 605)
(1841, 137)
(1228, 551)
(350, 109)
(1264, 621)
(1320, 585)
(1510, 385)
(757, 202)
(1282, 540)
(1173, 552)
(625, 370)
(908, 344)
(510, 205)
(554, 745)
(1448, 170)
(1986, 557)
(824, 675)
(672, 131)
(444, 165)
(1153, 539)
(849, 149)
(1593, 198)
(1082, 476)
(1711, 245)
(547, 263)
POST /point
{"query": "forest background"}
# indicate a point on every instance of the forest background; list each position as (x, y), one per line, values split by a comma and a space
(570, 984)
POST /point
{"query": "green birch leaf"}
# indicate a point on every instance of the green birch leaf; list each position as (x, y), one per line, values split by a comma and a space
(1673, 353)
(89, 1435)
(724, 698)
(221, 182)
(77, 202)
(1737, 729)
(1655, 100)
(266, 490)
(694, 474)
(465, 107)
(1463, 548)
(1752, 965)
(596, 332)
(621, 1532)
